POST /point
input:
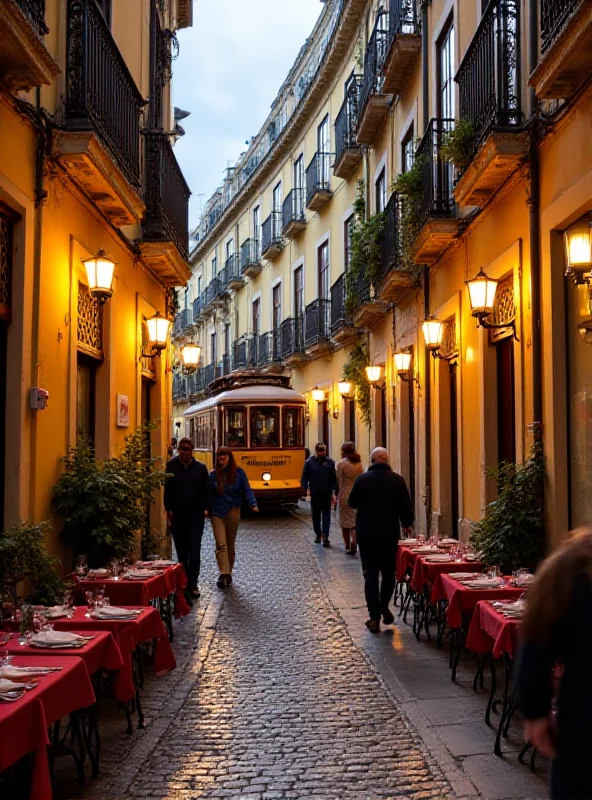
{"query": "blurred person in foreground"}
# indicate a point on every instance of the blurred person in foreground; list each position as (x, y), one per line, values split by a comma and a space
(556, 631)
(319, 477)
(382, 501)
(348, 470)
(230, 487)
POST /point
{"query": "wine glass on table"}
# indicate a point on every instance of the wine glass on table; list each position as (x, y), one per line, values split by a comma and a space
(81, 566)
(90, 601)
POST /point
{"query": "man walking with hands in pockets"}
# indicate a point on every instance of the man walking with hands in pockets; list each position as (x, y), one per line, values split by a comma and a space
(320, 478)
(382, 501)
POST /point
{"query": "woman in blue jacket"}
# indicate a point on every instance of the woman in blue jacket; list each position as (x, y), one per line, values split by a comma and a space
(230, 485)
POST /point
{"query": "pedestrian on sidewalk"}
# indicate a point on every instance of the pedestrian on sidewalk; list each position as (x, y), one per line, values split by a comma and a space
(187, 501)
(348, 470)
(556, 630)
(230, 487)
(382, 501)
(319, 477)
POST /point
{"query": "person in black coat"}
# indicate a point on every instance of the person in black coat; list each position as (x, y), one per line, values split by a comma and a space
(556, 637)
(382, 501)
(188, 499)
(319, 476)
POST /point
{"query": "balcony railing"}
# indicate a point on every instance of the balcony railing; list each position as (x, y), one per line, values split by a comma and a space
(318, 177)
(391, 250)
(374, 60)
(231, 271)
(554, 16)
(35, 11)
(268, 350)
(240, 353)
(213, 291)
(339, 316)
(402, 18)
(293, 210)
(198, 306)
(101, 95)
(489, 75)
(437, 174)
(166, 194)
(182, 320)
(271, 233)
(317, 322)
(292, 336)
(347, 119)
(179, 388)
(250, 254)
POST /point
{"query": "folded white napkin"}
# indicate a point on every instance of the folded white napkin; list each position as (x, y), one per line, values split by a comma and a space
(57, 637)
(105, 612)
(161, 563)
(142, 574)
(56, 612)
(482, 583)
(22, 673)
(438, 558)
(425, 549)
(98, 573)
(406, 542)
(9, 686)
(460, 576)
(448, 541)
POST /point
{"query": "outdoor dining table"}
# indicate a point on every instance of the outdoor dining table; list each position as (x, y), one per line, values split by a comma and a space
(129, 634)
(460, 603)
(24, 723)
(156, 590)
(405, 560)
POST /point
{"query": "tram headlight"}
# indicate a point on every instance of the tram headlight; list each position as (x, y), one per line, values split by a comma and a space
(266, 477)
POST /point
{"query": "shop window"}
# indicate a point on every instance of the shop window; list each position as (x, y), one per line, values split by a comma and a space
(265, 426)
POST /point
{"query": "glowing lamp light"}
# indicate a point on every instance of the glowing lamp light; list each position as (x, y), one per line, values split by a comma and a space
(482, 291)
(344, 388)
(158, 331)
(318, 395)
(266, 477)
(433, 332)
(373, 373)
(99, 273)
(190, 355)
(402, 362)
(578, 247)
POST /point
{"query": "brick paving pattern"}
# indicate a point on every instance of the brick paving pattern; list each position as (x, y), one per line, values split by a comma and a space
(271, 697)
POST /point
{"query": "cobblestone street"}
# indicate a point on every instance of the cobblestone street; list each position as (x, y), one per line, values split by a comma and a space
(273, 698)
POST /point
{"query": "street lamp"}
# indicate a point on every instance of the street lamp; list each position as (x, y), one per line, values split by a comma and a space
(158, 332)
(433, 333)
(99, 273)
(403, 365)
(578, 249)
(373, 374)
(344, 388)
(318, 395)
(482, 291)
(190, 355)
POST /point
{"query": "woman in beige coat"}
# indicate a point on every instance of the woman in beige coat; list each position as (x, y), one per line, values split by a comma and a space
(348, 470)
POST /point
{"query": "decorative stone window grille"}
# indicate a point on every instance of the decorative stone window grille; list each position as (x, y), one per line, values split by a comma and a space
(449, 346)
(504, 310)
(90, 323)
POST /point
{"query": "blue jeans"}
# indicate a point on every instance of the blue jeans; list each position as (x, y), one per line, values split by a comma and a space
(320, 506)
(187, 532)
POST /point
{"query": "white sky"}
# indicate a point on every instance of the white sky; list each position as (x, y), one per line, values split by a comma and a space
(231, 66)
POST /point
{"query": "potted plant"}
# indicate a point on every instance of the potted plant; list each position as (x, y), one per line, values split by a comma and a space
(409, 185)
(458, 144)
(24, 559)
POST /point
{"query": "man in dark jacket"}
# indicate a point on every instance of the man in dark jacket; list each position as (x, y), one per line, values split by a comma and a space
(382, 501)
(187, 500)
(320, 477)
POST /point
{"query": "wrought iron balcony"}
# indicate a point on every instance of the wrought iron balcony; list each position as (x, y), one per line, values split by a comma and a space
(213, 293)
(231, 274)
(317, 326)
(403, 46)
(240, 353)
(199, 380)
(100, 143)
(293, 216)
(179, 388)
(268, 350)
(342, 327)
(272, 242)
(318, 181)
(437, 207)
(198, 307)
(209, 374)
(373, 99)
(347, 150)
(566, 48)
(251, 258)
(489, 83)
(183, 319)
(292, 340)
(165, 235)
(24, 60)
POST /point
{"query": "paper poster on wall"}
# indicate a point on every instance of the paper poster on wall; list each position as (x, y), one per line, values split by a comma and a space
(122, 411)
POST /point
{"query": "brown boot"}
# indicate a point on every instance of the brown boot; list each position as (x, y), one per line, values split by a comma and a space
(346, 538)
(354, 544)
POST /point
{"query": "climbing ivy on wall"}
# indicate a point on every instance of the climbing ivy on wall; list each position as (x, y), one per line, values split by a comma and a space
(354, 370)
(365, 244)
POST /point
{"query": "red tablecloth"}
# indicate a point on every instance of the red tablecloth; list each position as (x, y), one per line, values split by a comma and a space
(405, 558)
(462, 600)
(491, 632)
(139, 593)
(23, 725)
(128, 634)
(101, 653)
(426, 572)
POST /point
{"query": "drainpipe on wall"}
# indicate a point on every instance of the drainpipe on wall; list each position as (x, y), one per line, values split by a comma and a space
(428, 410)
(425, 74)
(535, 228)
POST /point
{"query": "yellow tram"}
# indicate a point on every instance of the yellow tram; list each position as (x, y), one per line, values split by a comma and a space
(262, 419)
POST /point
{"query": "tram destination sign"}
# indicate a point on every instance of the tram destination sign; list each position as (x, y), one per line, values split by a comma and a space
(266, 461)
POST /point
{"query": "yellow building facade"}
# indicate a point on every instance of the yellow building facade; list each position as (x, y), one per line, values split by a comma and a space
(466, 123)
(86, 165)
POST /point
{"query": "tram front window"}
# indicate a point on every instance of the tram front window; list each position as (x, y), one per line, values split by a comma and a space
(265, 426)
(293, 434)
(235, 433)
